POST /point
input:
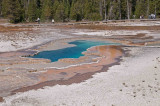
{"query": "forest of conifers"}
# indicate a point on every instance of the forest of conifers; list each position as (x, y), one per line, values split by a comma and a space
(77, 10)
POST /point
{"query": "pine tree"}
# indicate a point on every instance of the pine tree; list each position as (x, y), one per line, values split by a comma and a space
(92, 10)
(15, 11)
(115, 11)
(124, 9)
(5, 8)
(141, 8)
(54, 8)
(31, 13)
(0, 7)
(76, 11)
(133, 3)
(60, 12)
(65, 10)
(158, 8)
(46, 10)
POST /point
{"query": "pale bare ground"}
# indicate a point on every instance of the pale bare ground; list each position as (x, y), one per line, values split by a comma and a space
(134, 82)
(17, 38)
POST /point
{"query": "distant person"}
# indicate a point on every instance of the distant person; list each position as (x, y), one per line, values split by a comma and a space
(153, 16)
(140, 17)
(149, 17)
(53, 21)
(38, 20)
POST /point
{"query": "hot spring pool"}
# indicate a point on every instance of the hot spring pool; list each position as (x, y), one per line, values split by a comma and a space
(70, 52)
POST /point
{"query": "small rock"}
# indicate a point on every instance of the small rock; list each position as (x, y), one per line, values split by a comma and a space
(123, 83)
(126, 86)
(150, 86)
(138, 89)
(133, 85)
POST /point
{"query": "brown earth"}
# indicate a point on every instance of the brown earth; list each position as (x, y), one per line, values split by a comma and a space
(105, 27)
(1, 99)
(11, 29)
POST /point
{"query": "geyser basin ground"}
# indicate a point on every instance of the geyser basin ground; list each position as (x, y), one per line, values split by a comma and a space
(71, 52)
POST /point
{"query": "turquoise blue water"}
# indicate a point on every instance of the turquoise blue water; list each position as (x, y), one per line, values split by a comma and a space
(70, 52)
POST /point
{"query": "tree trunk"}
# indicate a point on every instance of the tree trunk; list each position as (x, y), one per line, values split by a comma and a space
(148, 8)
(110, 11)
(128, 13)
(155, 9)
(100, 9)
(120, 14)
(105, 11)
